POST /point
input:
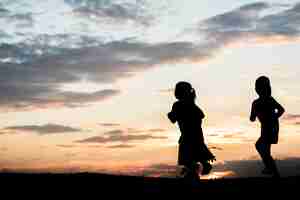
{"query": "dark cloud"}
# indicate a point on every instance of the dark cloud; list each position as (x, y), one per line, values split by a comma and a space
(109, 124)
(65, 146)
(32, 72)
(44, 129)
(239, 19)
(118, 13)
(36, 97)
(41, 75)
(120, 138)
(247, 23)
(121, 146)
(114, 132)
(20, 20)
(3, 12)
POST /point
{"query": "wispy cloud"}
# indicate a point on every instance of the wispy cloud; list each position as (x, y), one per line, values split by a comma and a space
(292, 119)
(120, 138)
(43, 129)
(114, 132)
(121, 146)
(66, 146)
(109, 124)
(114, 13)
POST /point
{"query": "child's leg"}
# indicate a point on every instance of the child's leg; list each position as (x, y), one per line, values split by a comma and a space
(206, 167)
(264, 150)
(270, 161)
(193, 172)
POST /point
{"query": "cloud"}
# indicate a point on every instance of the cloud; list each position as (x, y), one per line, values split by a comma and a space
(253, 24)
(121, 146)
(114, 132)
(33, 76)
(65, 146)
(44, 129)
(109, 124)
(115, 13)
(33, 69)
(18, 19)
(124, 136)
(292, 119)
(3, 149)
(153, 130)
(119, 138)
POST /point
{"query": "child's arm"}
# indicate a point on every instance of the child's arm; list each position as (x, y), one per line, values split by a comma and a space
(172, 114)
(280, 110)
(202, 115)
(253, 112)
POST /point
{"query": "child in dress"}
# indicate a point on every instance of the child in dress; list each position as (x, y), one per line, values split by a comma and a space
(192, 148)
(268, 111)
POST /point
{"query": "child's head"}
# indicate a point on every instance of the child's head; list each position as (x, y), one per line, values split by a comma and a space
(184, 91)
(263, 86)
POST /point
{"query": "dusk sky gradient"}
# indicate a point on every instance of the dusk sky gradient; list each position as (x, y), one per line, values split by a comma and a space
(86, 84)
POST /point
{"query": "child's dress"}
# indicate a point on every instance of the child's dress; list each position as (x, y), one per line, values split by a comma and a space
(192, 148)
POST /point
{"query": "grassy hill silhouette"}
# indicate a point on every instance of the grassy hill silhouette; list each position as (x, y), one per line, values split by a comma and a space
(89, 184)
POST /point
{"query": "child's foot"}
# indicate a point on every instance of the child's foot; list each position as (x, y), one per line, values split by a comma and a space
(275, 174)
(206, 168)
(267, 171)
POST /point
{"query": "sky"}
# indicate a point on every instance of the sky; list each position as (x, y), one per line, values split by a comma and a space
(85, 85)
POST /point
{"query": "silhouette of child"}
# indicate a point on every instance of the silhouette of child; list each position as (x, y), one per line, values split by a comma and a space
(192, 148)
(268, 111)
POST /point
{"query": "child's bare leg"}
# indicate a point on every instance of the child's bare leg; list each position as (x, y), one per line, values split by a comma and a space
(193, 173)
(265, 153)
(206, 167)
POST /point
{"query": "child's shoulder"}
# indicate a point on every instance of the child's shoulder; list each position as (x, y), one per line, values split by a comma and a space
(176, 105)
(256, 101)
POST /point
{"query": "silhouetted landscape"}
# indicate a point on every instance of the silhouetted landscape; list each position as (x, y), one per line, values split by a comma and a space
(89, 184)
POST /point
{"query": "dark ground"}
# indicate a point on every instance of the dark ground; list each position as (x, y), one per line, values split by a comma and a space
(101, 185)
